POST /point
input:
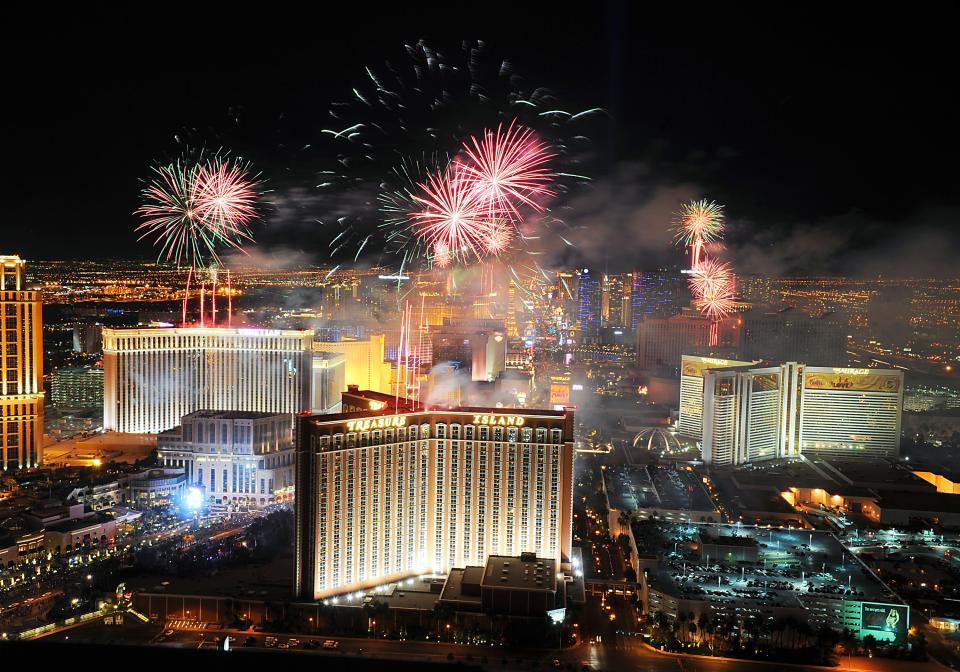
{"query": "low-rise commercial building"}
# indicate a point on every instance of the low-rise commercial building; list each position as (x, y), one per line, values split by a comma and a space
(239, 459)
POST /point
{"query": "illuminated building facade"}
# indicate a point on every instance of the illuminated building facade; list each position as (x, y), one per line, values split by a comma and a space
(690, 421)
(77, 388)
(237, 458)
(396, 491)
(656, 294)
(365, 365)
(512, 330)
(590, 305)
(750, 414)
(746, 413)
(21, 376)
(851, 412)
(154, 377)
(328, 370)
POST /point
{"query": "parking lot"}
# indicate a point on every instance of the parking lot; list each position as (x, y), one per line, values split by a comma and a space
(789, 564)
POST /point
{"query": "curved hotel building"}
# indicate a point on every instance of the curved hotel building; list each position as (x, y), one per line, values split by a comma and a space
(745, 412)
(388, 491)
(154, 377)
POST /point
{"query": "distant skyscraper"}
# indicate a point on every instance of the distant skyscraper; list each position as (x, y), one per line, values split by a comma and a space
(791, 335)
(365, 366)
(21, 378)
(512, 331)
(748, 413)
(615, 304)
(238, 458)
(656, 294)
(397, 492)
(590, 308)
(77, 388)
(329, 371)
(153, 377)
(661, 342)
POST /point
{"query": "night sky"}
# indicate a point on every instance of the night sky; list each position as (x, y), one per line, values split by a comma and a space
(834, 152)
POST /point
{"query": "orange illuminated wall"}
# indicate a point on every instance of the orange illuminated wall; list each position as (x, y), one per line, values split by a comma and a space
(941, 483)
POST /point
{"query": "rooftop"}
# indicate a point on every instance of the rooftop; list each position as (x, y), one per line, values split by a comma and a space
(503, 571)
(232, 415)
(925, 502)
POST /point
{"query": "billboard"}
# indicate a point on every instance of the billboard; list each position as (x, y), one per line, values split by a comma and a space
(854, 380)
(559, 394)
(885, 622)
(694, 366)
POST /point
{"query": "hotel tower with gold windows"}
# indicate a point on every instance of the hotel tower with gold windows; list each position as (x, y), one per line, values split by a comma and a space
(21, 377)
(386, 491)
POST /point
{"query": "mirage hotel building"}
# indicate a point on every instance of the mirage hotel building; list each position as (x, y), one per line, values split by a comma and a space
(389, 490)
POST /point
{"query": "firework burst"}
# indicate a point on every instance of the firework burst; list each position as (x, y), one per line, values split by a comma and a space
(699, 221)
(452, 221)
(713, 288)
(427, 103)
(171, 218)
(498, 237)
(192, 209)
(508, 168)
(226, 197)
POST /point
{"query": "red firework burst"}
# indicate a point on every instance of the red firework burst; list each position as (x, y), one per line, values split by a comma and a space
(507, 168)
(453, 219)
(226, 197)
(500, 235)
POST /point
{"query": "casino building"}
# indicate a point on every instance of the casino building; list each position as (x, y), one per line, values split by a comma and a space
(154, 377)
(21, 373)
(388, 489)
(748, 412)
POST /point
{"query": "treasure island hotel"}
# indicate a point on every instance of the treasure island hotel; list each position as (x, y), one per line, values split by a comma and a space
(390, 489)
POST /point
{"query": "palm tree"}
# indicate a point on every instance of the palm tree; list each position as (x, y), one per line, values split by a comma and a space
(682, 622)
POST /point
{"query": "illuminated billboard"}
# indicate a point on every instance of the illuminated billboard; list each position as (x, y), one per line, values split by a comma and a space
(693, 366)
(855, 381)
(885, 622)
(559, 394)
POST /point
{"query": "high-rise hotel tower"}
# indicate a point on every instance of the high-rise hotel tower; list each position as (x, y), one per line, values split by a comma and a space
(388, 491)
(749, 412)
(21, 376)
(154, 377)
